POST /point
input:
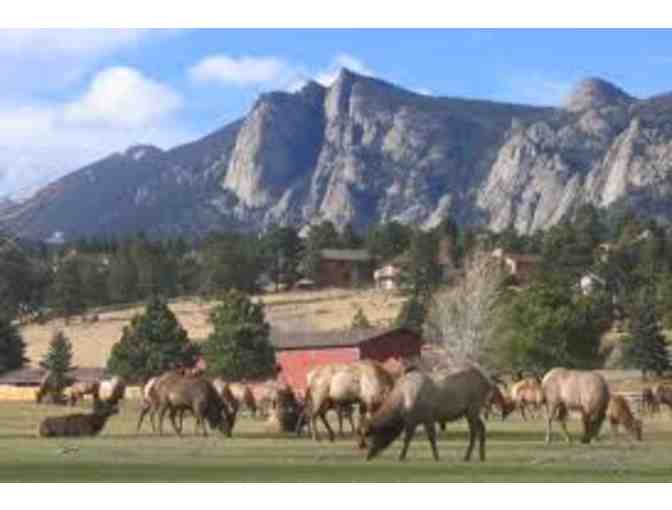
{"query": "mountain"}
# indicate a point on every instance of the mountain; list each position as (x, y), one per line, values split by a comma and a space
(364, 150)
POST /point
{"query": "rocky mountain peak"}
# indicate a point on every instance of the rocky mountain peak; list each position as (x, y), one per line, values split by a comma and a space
(593, 93)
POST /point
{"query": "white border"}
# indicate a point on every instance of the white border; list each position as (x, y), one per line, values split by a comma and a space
(343, 13)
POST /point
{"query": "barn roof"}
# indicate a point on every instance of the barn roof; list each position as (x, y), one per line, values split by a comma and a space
(351, 255)
(30, 375)
(283, 340)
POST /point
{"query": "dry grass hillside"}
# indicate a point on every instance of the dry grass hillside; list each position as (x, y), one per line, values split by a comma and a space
(321, 310)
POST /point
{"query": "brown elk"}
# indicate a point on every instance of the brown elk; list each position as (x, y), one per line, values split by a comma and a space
(364, 382)
(78, 425)
(650, 403)
(178, 393)
(80, 389)
(421, 399)
(619, 413)
(499, 400)
(568, 390)
(527, 393)
(112, 390)
(663, 394)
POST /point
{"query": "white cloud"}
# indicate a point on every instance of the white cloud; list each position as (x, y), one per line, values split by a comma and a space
(121, 107)
(423, 91)
(122, 96)
(240, 71)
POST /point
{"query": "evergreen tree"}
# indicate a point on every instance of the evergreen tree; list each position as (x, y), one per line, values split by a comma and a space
(388, 240)
(231, 261)
(646, 348)
(360, 320)
(12, 346)
(122, 280)
(283, 248)
(320, 237)
(153, 343)
(422, 275)
(58, 360)
(349, 238)
(239, 346)
(67, 295)
(24, 278)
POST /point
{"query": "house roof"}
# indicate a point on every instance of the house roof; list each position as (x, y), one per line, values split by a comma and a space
(284, 340)
(32, 375)
(351, 255)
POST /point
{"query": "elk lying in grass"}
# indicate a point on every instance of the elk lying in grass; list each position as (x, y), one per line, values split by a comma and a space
(619, 413)
(79, 425)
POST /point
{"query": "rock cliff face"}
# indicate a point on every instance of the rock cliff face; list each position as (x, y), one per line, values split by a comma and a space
(363, 150)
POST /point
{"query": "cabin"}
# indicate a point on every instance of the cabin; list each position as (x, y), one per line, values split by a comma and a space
(388, 275)
(519, 266)
(298, 353)
(344, 268)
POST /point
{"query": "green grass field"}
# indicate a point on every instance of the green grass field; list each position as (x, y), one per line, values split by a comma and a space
(515, 450)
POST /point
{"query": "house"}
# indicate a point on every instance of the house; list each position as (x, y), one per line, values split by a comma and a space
(298, 353)
(387, 276)
(519, 266)
(344, 268)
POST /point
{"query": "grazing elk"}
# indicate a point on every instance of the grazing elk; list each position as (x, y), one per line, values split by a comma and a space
(496, 399)
(568, 390)
(421, 399)
(178, 393)
(663, 394)
(80, 389)
(79, 425)
(619, 413)
(365, 382)
(527, 393)
(112, 390)
(650, 404)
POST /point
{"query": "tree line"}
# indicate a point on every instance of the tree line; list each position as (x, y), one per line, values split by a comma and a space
(549, 321)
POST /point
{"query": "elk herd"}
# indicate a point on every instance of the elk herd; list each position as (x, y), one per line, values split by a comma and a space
(391, 405)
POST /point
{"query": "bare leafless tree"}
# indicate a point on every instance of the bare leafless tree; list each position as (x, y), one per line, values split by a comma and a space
(463, 320)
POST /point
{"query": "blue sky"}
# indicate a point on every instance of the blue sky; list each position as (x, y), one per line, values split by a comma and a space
(72, 96)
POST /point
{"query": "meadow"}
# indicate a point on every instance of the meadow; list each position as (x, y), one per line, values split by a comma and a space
(515, 453)
(320, 310)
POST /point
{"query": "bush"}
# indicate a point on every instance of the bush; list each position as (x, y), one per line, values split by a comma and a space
(360, 320)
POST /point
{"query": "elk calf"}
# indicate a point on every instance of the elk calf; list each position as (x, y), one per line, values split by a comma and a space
(619, 413)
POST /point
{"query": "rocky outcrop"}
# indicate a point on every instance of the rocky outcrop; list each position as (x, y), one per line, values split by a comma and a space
(362, 151)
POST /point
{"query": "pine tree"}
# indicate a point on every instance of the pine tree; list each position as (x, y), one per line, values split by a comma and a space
(58, 360)
(360, 320)
(67, 292)
(12, 346)
(239, 347)
(154, 343)
(646, 348)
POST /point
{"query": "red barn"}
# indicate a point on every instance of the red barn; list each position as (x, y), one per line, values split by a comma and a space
(298, 353)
